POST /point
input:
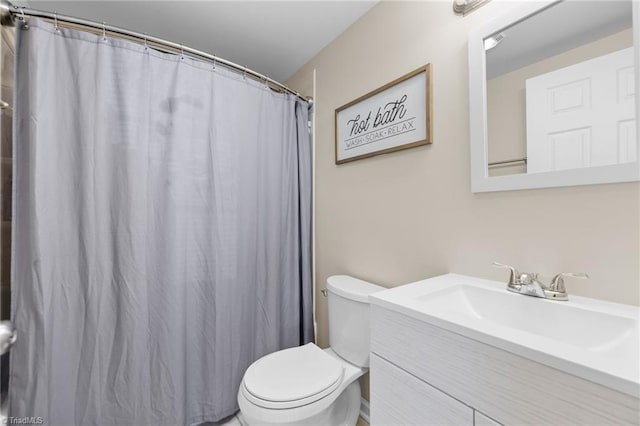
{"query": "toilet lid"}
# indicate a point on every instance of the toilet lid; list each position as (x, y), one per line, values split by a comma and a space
(305, 373)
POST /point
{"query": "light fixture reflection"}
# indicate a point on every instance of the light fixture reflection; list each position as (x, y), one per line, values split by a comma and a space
(493, 41)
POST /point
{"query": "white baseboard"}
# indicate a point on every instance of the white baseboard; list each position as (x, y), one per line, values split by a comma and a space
(364, 410)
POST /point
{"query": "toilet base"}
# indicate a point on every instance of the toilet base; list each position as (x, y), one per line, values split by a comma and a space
(343, 412)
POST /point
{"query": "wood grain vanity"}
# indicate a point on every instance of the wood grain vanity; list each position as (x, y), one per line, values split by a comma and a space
(422, 373)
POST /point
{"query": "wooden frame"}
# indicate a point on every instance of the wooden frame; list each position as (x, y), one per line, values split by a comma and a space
(358, 130)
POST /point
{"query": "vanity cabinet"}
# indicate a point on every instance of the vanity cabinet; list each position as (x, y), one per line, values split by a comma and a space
(480, 419)
(424, 374)
(401, 398)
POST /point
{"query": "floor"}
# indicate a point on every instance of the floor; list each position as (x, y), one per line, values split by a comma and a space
(233, 421)
(362, 422)
(229, 421)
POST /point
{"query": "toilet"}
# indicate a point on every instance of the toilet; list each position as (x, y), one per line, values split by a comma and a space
(307, 385)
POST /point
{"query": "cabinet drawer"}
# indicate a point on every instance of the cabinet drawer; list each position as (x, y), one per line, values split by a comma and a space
(398, 398)
(480, 419)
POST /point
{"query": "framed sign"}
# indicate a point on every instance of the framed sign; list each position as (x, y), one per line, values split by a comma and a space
(394, 117)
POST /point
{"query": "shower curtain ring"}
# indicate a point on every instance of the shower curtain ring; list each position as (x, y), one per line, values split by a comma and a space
(181, 52)
(214, 62)
(23, 18)
(244, 75)
(146, 46)
(104, 31)
(55, 21)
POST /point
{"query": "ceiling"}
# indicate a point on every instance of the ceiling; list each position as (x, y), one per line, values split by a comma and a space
(274, 38)
(559, 28)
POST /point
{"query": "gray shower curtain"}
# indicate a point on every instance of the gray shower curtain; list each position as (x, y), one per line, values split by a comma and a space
(161, 231)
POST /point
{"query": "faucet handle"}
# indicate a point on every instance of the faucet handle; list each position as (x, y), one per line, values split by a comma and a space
(557, 283)
(514, 276)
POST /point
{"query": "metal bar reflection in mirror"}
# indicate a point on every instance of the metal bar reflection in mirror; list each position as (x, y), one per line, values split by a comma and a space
(508, 162)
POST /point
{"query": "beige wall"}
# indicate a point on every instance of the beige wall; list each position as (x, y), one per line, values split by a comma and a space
(506, 101)
(410, 215)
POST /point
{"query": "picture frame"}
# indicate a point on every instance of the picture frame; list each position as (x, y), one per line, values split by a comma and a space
(394, 117)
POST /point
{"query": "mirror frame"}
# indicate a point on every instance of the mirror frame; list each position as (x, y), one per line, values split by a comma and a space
(480, 179)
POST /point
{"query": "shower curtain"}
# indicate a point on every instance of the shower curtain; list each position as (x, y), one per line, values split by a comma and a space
(162, 231)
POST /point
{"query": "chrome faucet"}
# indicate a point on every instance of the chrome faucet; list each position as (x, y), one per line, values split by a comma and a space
(529, 284)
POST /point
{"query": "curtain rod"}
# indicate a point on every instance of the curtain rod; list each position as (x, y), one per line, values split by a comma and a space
(9, 13)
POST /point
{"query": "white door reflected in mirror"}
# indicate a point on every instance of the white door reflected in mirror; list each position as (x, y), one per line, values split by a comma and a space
(582, 115)
(552, 96)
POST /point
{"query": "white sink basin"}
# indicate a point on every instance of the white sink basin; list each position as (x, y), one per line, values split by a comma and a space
(588, 329)
(592, 339)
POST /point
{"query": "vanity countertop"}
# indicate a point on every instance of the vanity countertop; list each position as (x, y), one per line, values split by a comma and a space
(589, 338)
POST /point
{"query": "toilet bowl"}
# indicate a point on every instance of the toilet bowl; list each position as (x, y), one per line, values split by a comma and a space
(307, 385)
(303, 385)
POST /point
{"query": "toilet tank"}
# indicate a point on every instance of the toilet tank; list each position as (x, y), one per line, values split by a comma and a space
(349, 317)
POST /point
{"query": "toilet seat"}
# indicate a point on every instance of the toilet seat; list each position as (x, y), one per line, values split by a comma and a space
(292, 378)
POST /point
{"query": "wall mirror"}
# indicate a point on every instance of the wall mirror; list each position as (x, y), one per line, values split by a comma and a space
(553, 95)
